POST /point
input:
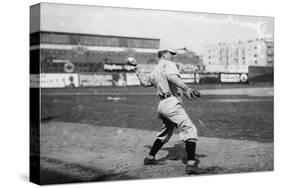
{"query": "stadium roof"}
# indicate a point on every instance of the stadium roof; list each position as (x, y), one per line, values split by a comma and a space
(81, 19)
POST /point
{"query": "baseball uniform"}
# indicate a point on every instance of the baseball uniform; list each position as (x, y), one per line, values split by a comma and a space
(170, 109)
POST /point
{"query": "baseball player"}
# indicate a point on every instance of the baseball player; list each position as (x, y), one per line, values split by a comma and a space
(166, 79)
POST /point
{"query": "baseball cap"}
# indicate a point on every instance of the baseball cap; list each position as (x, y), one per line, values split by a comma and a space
(160, 52)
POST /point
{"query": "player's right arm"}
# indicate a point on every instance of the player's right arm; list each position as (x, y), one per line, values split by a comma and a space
(145, 79)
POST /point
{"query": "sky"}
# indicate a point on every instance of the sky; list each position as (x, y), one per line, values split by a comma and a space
(175, 29)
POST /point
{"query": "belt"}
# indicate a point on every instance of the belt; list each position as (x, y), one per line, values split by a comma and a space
(165, 96)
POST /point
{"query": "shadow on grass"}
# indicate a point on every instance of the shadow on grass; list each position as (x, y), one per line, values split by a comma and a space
(57, 172)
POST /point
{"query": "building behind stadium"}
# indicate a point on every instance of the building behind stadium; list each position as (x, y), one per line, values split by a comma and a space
(258, 52)
(253, 59)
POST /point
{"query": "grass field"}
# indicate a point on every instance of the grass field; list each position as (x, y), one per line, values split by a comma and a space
(224, 116)
(102, 134)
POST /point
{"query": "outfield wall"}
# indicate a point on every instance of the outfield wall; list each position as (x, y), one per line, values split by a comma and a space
(71, 80)
(261, 74)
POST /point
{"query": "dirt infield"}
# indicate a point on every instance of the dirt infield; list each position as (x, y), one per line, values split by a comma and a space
(74, 152)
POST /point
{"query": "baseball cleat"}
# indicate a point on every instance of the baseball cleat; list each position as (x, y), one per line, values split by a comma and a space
(193, 169)
(148, 161)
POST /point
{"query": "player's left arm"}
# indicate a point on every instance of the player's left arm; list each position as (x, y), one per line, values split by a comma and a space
(173, 75)
(175, 79)
(188, 91)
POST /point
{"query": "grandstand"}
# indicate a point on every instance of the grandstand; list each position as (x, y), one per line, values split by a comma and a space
(89, 53)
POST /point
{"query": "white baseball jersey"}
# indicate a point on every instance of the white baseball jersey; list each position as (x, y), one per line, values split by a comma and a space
(170, 109)
(158, 78)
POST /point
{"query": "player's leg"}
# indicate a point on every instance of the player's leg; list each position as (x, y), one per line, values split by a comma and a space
(188, 134)
(162, 137)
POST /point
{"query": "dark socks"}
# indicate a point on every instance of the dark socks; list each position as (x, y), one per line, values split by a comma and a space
(157, 145)
(190, 150)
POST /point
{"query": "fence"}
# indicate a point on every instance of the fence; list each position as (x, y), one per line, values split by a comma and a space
(70, 80)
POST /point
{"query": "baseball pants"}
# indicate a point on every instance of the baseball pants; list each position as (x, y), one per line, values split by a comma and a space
(172, 114)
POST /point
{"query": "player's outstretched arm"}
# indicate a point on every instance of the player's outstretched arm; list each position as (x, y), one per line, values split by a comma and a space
(144, 79)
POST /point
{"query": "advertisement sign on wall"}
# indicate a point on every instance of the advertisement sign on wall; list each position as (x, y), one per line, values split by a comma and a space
(244, 78)
(132, 79)
(188, 77)
(54, 80)
(88, 80)
(230, 78)
(233, 78)
(118, 67)
(119, 79)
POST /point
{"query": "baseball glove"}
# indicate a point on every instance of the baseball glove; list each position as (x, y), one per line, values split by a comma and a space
(191, 93)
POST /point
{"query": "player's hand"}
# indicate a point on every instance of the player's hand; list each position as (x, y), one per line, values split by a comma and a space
(191, 93)
(196, 93)
(131, 61)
